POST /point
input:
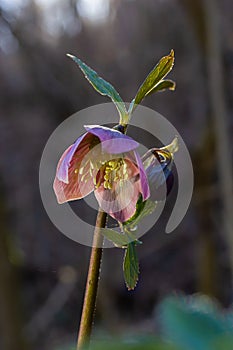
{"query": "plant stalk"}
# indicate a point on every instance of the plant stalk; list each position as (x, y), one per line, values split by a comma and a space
(92, 283)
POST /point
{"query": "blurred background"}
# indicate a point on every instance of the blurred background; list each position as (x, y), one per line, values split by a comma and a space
(43, 273)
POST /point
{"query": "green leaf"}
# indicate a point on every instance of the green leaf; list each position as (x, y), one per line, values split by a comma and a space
(139, 208)
(117, 238)
(142, 209)
(163, 85)
(131, 266)
(159, 72)
(103, 87)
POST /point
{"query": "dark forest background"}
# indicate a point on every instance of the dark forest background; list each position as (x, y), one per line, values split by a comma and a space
(43, 273)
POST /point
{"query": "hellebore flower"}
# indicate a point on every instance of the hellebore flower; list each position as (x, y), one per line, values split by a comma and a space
(103, 160)
(158, 164)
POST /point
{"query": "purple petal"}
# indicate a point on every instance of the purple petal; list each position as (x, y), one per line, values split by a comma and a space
(143, 178)
(113, 141)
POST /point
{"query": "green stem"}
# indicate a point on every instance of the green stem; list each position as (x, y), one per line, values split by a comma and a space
(92, 283)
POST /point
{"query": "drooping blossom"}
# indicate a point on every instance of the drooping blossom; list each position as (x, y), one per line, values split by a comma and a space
(105, 161)
(158, 164)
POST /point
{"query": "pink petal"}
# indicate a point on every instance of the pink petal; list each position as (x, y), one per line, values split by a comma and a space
(77, 150)
(145, 190)
(119, 204)
(120, 201)
(68, 168)
(144, 185)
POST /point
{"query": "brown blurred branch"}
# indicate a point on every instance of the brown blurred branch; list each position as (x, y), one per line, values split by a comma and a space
(219, 115)
(204, 16)
(10, 313)
(196, 14)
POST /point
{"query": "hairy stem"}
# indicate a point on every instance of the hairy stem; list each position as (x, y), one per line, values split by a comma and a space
(92, 283)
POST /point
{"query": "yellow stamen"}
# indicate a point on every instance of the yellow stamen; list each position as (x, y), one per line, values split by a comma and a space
(115, 170)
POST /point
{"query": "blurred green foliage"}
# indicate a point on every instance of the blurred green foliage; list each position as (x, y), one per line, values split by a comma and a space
(186, 323)
(195, 323)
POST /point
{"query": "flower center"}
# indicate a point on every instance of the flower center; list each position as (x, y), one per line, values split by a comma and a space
(103, 171)
(114, 170)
